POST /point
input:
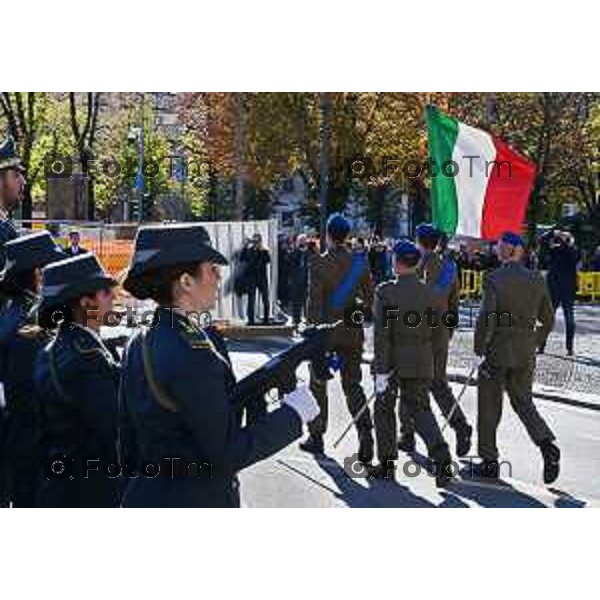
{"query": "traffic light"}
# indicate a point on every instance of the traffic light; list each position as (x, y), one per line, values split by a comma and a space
(147, 207)
(134, 209)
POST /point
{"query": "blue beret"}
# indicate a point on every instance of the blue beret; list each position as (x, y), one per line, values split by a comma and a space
(508, 237)
(338, 225)
(406, 249)
(426, 231)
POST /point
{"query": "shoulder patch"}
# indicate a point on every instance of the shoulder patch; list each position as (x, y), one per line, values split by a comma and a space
(200, 345)
(88, 348)
(194, 337)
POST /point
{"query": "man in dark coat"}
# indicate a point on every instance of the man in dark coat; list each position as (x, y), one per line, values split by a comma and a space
(562, 258)
(379, 261)
(298, 267)
(256, 259)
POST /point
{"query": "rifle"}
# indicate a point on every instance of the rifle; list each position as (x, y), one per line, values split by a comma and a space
(280, 371)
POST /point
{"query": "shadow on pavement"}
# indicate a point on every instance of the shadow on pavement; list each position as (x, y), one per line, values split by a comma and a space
(377, 494)
(488, 494)
(352, 492)
(566, 500)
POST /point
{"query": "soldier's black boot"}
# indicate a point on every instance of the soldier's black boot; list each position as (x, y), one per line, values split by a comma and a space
(487, 469)
(442, 466)
(551, 456)
(407, 442)
(386, 469)
(313, 444)
(463, 441)
(366, 448)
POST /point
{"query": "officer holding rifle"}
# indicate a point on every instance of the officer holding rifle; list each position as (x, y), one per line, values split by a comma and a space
(178, 386)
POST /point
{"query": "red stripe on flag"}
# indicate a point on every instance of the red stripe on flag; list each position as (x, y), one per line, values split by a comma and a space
(507, 193)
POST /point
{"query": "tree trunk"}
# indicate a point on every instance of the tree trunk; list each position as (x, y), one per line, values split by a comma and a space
(27, 206)
(240, 170)
(324, 142)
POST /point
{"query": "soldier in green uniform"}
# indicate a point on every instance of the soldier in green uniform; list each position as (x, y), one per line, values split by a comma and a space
(515, 320)
(404, 318)
(440, 272)
(337, 280)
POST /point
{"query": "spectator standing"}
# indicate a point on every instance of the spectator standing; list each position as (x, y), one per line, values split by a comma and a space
(256, 259)
(74, 248)
(596, 261)
(299, 263)
(379, 261)
(562, 259)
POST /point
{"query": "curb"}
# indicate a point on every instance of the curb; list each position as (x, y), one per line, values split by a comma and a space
(551, 395)
(544, 393)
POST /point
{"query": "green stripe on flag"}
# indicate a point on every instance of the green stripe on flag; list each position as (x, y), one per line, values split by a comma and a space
(443, 131)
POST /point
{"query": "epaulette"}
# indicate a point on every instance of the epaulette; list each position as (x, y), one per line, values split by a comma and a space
(193, 336)
(89, 348)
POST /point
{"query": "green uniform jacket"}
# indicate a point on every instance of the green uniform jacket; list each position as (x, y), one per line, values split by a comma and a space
(326, 273)
(430, 270)
(516, 316)
(405, 349)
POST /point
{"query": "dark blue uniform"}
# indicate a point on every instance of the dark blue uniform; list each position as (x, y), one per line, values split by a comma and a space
(193, 423)
(10, 319)
(19, 347)
(77, 382)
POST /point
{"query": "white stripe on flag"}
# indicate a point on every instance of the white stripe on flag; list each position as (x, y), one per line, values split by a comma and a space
(471, 181)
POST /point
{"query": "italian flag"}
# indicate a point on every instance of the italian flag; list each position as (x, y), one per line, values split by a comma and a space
(482, 185)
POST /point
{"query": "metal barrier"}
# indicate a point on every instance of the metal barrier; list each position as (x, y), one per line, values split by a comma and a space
(588, 285)
(470, 283)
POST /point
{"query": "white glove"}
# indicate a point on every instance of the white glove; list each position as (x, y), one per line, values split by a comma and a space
(381, 382)
(304, 403)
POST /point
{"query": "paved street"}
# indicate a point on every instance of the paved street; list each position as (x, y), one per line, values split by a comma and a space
(293, 478)
(578, 376)
(580, 373)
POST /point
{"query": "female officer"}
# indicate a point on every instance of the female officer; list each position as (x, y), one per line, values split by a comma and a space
(77, 382)
(177, 383)
(20, 341)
